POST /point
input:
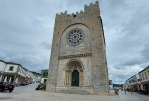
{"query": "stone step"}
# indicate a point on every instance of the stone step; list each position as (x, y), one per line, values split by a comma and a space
(74, 91)
(75, 88)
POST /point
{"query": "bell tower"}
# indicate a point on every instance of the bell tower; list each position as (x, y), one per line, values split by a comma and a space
(78, 54)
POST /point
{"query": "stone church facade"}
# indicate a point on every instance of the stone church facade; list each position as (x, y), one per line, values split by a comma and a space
(78, 55)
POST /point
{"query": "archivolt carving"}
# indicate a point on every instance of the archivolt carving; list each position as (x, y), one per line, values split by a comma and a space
(74, 64)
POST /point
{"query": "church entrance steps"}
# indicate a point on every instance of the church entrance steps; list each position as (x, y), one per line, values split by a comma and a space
(74, 90)
(74, 87)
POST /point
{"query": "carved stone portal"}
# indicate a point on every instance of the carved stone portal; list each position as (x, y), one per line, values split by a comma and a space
(73, 65)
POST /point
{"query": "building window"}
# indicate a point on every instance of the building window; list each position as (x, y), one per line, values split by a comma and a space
(45, 73)
(74, 37)
(45, 80)
(148, 73)
(11, 68)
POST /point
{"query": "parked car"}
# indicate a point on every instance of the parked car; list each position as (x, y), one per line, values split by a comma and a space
(6, 86)
(23, 83)
(27, 82)
(31, 82)
(121, 88)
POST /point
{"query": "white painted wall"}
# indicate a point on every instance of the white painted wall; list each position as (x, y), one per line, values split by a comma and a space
(32, 76)
(2, 66)
(145, 73)
(37, 79)
(15, 67)
(22, 72)
(111, 86)
(27, 74)
(42, 80)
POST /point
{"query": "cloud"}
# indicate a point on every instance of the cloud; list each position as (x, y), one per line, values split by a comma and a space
(130, 62)
(126, 34)
(45, 45)
(26, 30)
(121, 75)
(145, 51)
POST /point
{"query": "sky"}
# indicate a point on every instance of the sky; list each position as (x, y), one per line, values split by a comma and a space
(26, 31)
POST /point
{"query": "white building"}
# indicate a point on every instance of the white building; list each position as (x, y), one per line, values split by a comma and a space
(44, 74)
(37, 78)
(144, 79)
(132, 83)
(141, 78)
(110, 84)
(13, 72)
(2, 68)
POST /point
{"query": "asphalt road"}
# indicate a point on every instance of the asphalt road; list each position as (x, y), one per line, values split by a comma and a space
(19, 93)
(28, 93)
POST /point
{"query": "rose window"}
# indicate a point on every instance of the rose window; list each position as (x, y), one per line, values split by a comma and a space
(74, 37)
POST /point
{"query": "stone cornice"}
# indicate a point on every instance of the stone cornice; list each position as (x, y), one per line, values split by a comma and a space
(75, 56)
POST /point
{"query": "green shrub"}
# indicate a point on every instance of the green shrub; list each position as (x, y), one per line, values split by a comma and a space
(45, 76)
(42, 85)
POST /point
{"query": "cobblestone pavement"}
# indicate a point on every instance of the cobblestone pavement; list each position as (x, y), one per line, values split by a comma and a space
(28, 93)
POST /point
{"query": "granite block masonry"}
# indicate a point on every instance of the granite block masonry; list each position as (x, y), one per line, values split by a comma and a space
(78, 54)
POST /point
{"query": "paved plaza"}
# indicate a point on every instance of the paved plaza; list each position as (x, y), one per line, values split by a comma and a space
(28, 93)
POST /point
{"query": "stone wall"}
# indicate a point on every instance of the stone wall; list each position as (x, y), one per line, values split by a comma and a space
(83, 48)
(90, 21)
(87, 77)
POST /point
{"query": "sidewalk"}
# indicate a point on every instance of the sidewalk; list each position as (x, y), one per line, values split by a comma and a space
(132, 97)
(28, 93)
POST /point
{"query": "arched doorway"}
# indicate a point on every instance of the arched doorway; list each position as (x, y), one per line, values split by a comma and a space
(75, 78)
(74, 73)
